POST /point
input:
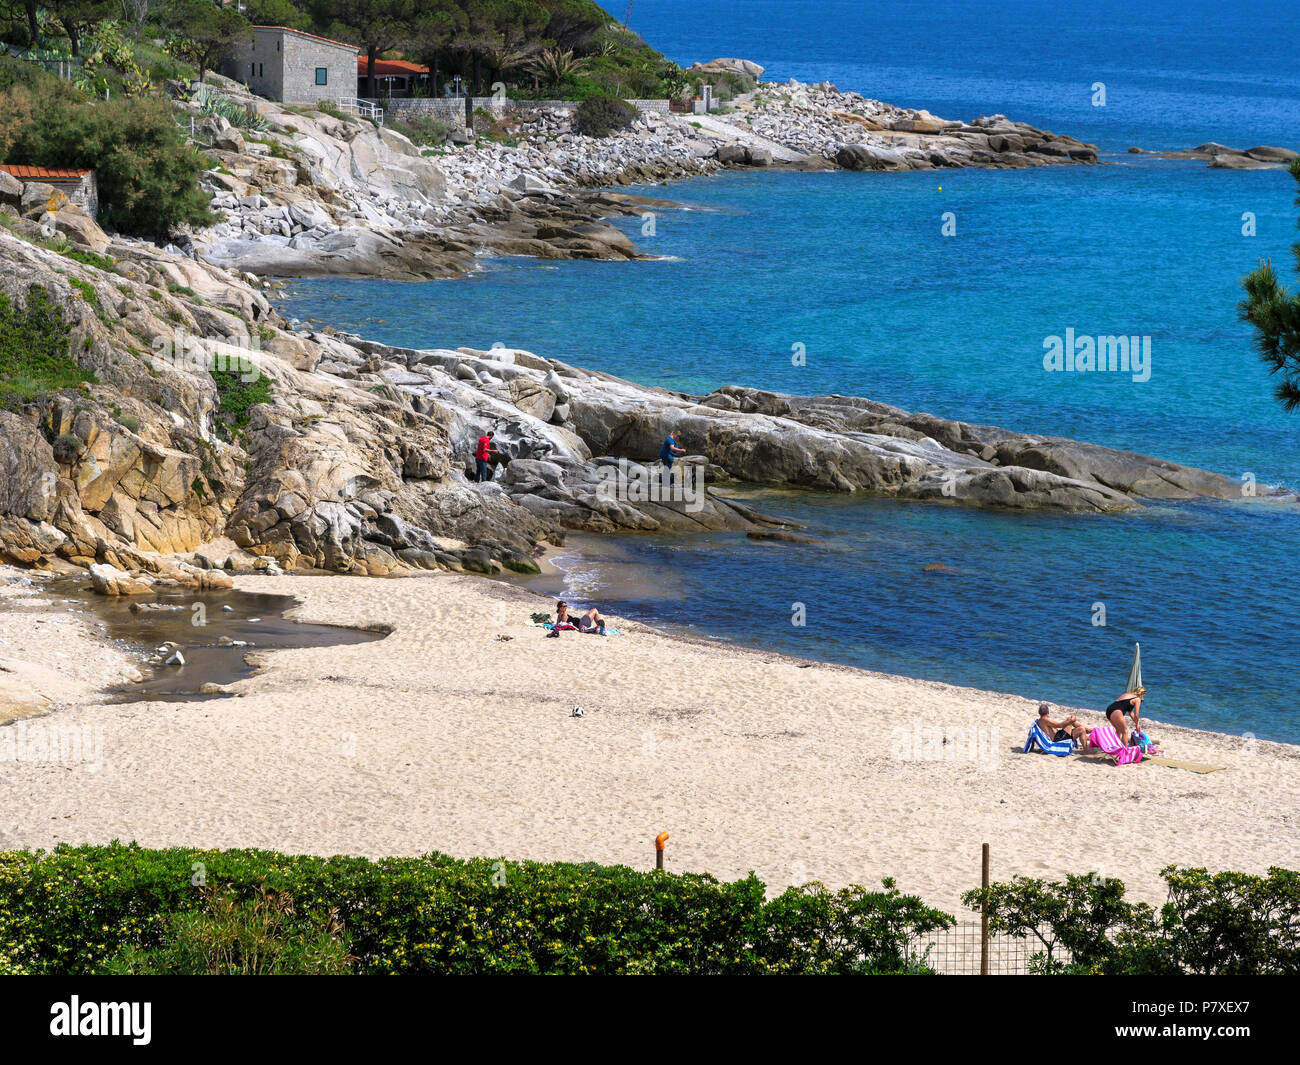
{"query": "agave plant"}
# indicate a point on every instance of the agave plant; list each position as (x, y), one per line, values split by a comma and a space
(554, 66)
(234, 112)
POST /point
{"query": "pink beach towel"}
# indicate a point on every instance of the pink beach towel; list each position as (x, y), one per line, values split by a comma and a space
(1107, 739)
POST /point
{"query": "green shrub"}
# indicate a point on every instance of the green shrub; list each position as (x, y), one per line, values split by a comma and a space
(35, 356)
(89, 909)
(420, 129)
(90, 258)
(262, 936)
(599, 116)
(1225, 923)
(146, 173)
(237, 396)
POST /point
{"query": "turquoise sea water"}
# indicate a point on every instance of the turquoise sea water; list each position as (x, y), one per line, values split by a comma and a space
(854, 268)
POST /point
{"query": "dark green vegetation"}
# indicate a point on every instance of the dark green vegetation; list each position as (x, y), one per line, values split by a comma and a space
(34, 350)
(1275, 314)
(1225, 923)
(557, 48)
(421, 129)
(599, 116)
(238, 392)
(147, 174)
(111, 115)
(261, 936)
(126, 909)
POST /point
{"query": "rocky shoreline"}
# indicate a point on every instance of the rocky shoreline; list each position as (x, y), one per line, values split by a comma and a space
(318, 194)
(356, 459)
(353, 456)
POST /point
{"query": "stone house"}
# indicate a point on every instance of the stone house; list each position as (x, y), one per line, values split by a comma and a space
(294, 67)
(78, 185)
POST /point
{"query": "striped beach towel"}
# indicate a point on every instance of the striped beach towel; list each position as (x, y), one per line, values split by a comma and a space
(1038, 739)
(1108, 740)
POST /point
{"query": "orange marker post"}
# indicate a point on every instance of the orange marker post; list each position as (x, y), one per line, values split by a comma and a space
(660, 840)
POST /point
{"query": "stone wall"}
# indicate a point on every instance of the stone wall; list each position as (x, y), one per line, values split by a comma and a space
(449, 112)
(499, 104)
(452, 112)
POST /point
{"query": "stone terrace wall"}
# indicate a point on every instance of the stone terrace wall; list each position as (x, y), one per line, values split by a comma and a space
(453, 112)
(450, 112)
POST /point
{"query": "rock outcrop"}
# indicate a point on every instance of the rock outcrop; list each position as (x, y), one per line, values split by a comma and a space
(1221, 157)
(210, 436)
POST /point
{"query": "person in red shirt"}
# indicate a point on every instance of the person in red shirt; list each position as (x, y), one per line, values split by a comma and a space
(483, 457)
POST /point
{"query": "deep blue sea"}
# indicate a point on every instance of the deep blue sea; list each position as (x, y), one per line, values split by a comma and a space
(855, 268)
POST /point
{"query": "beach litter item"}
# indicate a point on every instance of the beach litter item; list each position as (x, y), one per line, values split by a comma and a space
(578, 712)
(503, 636)
(176, 659)
(1107, 740)
(1039, 740)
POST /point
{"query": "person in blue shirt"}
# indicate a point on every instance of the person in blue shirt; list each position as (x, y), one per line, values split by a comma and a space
(670, 451)
(667, 453)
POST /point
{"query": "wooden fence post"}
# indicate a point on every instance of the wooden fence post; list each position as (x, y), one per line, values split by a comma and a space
(984, 915)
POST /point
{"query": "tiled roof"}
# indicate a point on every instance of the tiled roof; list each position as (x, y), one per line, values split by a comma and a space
(43, 173)
(386, 67)
(300, 33)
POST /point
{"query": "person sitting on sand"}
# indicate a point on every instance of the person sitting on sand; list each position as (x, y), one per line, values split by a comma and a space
(1070, 728)
(1130, 704)
(562, 616)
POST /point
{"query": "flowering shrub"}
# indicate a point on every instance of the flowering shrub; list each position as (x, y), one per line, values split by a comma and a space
(80, 910)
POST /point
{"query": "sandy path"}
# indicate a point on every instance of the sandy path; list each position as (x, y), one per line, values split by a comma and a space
(441, 737)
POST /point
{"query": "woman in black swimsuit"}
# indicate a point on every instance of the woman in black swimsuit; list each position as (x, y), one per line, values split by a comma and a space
(1129, 703)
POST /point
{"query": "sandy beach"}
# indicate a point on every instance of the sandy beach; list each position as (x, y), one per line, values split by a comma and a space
(444, 737)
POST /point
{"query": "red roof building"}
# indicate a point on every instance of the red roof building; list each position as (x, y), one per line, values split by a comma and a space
(77, 184)
(393, 77)
(48, 174)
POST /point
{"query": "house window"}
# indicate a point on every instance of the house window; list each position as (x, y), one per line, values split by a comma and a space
(261, 70)
(252, 70)
(322, 76)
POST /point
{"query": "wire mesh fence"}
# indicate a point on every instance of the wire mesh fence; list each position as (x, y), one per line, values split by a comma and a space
(956, 952)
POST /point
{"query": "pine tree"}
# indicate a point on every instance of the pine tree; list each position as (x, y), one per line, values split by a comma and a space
(1275, 314)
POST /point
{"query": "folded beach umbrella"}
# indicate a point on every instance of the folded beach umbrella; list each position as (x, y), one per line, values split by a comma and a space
(1135, 670)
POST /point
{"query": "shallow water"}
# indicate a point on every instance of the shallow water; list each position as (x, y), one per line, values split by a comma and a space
(197, 623)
